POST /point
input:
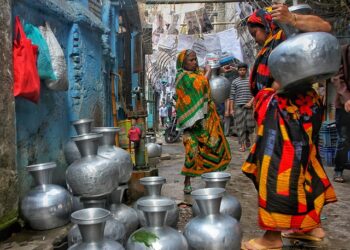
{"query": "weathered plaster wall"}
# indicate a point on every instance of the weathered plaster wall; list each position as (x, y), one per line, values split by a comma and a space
(86, 94)
(43, 129)
(8, 175)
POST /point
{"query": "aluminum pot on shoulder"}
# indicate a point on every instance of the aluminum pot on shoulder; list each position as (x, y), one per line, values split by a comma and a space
(304, 58)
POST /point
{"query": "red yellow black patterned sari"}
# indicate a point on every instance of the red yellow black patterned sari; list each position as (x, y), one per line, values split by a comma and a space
(284, 162)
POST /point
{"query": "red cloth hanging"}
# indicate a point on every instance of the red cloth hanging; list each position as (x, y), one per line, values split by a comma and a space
(25, 71)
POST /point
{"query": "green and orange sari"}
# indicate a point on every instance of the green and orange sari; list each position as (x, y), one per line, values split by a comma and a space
(284, 163)
(206, 147)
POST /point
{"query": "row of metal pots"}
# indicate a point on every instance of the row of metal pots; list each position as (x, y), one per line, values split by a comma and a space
(124, 219)
(210, 230)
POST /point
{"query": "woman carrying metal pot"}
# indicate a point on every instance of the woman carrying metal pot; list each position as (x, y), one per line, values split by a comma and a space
(206, 147)
(284, 162)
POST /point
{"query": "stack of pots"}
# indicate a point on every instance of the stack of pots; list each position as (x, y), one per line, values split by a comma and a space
(229, 204)
(91, 223)
(122, 159)
(212, 230)
(153, 186)
(46, 206)
(92, 175)
(155, 234)
(96, 176)
(123, 213)
(71, 151)
(119, 156)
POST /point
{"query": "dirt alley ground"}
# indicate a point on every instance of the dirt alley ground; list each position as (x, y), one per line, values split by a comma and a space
(335, 216)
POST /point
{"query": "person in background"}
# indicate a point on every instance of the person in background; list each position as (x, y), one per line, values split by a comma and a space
(163, 114)
(134, 134)
(341, 81)
(228, 70)
(284, 162)
(206, 147)
(242, 107)
(169, 106)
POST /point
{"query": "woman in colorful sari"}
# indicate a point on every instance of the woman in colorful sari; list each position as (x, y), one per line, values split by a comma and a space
(206, 147)
(284, 163)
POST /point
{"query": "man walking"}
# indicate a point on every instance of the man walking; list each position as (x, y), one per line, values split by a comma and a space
(242, 107)
(341, 81)
(163, 113)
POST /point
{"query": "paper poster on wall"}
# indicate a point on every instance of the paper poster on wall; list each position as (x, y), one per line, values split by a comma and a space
(212, 44)
(184, 42)
(158, 28)
(191, 20)
(174, 25)
(204, 21)
(230, 43)
(167, 42)
(198, 22)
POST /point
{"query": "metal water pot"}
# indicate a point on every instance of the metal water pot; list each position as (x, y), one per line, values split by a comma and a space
(120, 156)
(71, 151)
(92, 175)
(154, 140)
(304, 58)
(212, 230)
(153, 186)
(155, 234)
(153, 148)
(46, 206)
(91, 223)
(123, 213)
(113, 230)
(219, 86)
(229, 204)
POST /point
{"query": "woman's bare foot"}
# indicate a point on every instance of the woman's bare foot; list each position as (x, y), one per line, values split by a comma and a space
(270, 239)
(317, 232)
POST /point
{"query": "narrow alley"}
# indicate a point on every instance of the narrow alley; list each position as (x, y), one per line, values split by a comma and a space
(128, 124)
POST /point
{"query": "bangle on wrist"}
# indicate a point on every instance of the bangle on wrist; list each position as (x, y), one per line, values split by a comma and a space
(294, 20)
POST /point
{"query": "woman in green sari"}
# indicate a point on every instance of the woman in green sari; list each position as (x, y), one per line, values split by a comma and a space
(206, 147)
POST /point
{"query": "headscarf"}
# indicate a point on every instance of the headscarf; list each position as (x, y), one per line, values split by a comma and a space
(264, 18)
(260, 76)
(192, 92)
(181, 59)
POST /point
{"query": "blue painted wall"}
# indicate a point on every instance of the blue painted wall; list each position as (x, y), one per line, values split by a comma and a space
(43, 129)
